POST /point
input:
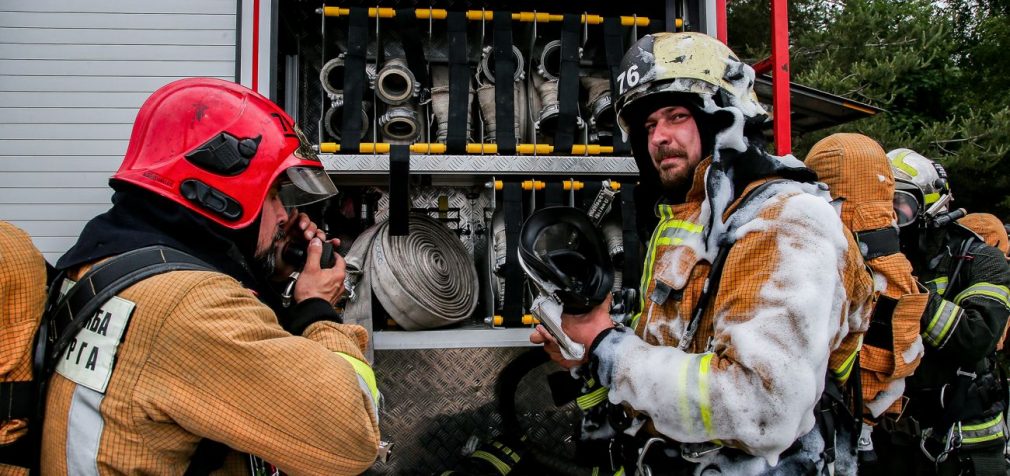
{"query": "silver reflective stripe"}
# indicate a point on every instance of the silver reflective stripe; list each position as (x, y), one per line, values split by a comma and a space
(984, 432)
(363, 385)
(991, 291)
(84, 431)
(940, 327)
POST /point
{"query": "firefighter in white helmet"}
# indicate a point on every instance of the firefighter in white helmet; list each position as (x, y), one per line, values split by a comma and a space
(953, 422)
(752, 295)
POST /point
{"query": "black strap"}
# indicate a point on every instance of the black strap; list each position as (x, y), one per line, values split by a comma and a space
(711, 287)
(17, 400)
(410, 34)
(459, 84)
(554, 194)
(399, 190)
(613, 43)
(504, 74)
(877, 243)
(354, 80)
(880, 334)
(632, 246)
(104, 281)
(568, 83)
(513, 208)
(208, 457)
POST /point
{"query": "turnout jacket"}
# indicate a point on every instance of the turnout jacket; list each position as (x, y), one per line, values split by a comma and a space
(202, 357)
(961, 326)
(791, 304)
(22, 300)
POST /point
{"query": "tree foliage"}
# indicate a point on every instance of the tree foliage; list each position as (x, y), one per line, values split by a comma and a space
(938, 69)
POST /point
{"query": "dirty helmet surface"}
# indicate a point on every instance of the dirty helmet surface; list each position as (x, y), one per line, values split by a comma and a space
(565, 255)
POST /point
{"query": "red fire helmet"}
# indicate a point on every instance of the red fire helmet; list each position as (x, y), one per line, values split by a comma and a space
(217, 148)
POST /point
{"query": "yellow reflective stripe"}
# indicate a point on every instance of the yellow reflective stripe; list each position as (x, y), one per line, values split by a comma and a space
(683, 225)
(596, 471)
(669, 241)
(982, 439)
(506, 450)
(995, 291)
(943, 319)
(592, 399)
(940, 283)
(704, 366)
(981, 426)
(931, 198)
(620, 472)
(685, 409)
(490, 458)
(365, 373)
(899, 162)
(982, 432)
(842, 373)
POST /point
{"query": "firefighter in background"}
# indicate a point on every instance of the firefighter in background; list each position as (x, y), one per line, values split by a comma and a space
(858, 173)
(22, 300)
(989, 228)
(210, 169)
(954, 418)
(725, 378)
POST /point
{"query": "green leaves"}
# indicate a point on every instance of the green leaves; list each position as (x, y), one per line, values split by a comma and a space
(938, 68)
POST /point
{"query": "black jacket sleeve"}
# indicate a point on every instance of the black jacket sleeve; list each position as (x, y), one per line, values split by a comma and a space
(966, 326)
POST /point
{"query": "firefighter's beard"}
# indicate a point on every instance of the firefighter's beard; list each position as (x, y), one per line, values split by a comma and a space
(266, 260)
(675, 167)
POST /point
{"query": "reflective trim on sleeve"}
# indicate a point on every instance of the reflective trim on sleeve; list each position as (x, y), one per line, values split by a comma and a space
(944, 320)
(704, 366)
(983, 432)
(940, 283)
(493, 460)
(366, 377)
(593, 398)
(841, 374)
(994, 291)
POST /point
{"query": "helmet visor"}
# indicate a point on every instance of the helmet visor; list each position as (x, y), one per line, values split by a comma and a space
(906, 206)
(304, 185)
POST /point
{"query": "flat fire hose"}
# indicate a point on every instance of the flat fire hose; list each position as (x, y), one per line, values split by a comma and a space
(424, 280)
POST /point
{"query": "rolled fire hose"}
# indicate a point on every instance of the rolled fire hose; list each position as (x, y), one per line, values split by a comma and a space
(331, 76)
(400, 124)
(486, 96)
(498, 252)
(423, 280)
(394, 83)
(333, 120)
(599, 102)
(613, 234)
(440, 102)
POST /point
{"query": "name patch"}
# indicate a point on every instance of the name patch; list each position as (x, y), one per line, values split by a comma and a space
(89, 358)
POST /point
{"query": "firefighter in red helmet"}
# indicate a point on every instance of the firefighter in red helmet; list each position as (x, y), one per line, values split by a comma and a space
(207, 365)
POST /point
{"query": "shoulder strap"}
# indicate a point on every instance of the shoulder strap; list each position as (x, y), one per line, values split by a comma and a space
(711, 286)
(65, 317)
(68, 315)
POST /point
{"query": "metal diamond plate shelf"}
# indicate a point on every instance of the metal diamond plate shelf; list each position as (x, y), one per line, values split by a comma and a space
(368, 164)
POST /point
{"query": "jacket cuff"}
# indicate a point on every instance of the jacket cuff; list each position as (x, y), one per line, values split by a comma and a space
(603, 357)
(306, 312)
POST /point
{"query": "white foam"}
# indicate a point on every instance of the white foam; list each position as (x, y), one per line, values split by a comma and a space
(914, 351)
(885, 398)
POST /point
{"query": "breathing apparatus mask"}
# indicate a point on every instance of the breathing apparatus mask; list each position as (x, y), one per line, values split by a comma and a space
(565, 257)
